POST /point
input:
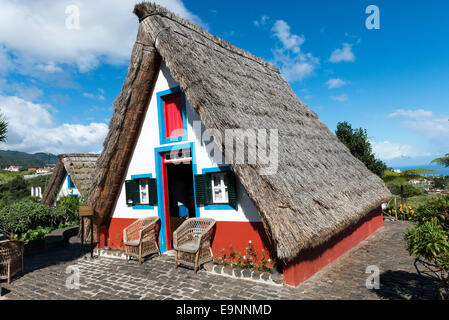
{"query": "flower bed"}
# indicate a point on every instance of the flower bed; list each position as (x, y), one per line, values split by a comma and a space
(249, 260)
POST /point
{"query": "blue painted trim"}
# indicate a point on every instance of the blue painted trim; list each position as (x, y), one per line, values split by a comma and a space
(216, 169)
(71, 188)
(161, 115)
(160, 185)
(142, 206)
(141, 176)
(68, 183)
(218, 206)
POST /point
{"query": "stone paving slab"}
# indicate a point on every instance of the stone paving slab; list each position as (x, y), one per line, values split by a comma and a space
(102, 278)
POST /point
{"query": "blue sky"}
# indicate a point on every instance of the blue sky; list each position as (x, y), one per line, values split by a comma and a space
(57, 85)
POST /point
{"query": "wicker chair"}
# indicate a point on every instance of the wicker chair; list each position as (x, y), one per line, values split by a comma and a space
(192, 242)
(140, 238)
(11, 258)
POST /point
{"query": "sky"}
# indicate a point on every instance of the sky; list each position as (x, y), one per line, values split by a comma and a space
(62, 64)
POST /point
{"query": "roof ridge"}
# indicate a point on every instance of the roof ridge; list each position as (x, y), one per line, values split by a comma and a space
(147, 9)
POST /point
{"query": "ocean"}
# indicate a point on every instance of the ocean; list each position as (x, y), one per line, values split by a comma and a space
(443, 171)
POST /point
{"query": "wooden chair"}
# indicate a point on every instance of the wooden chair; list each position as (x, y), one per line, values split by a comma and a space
(140, 238)
(11, 258)
(192, 242)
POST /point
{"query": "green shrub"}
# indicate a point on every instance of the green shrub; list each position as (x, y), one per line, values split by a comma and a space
(428, 240)
(33, 234)
(24, 215)
(435, 208)
(69, 205)
(408, 190)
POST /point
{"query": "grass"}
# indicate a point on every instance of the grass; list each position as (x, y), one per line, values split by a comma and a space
(8, 175)
(414, 201)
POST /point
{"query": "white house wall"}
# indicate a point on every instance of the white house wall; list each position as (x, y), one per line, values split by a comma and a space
(64, 189)
(143, 162)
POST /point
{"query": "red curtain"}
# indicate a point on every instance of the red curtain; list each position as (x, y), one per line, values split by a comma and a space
(173, 116)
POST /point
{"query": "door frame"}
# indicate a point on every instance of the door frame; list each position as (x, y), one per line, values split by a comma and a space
(162, 190)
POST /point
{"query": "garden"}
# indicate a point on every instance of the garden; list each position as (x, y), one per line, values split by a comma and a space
(248, 259)
(29, 220)
(428, 239)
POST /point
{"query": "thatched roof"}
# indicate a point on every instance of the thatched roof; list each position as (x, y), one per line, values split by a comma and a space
(78, 166)
(319, 189)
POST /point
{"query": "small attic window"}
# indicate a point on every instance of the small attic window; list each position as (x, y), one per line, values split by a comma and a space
(172, 116)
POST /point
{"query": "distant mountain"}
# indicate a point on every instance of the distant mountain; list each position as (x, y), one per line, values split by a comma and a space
(26, 160)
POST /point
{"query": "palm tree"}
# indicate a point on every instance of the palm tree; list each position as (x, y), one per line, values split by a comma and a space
(443, 161)
(3, 128)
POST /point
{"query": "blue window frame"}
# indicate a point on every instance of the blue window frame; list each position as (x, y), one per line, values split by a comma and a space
(142, 176)
(218, 206)
(161, 115)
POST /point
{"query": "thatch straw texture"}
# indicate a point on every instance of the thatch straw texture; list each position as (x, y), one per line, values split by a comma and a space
(319, 188)
(78, 166)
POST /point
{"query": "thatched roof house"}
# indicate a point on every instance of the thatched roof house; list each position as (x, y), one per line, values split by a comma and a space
(319, 189)
(78, 167)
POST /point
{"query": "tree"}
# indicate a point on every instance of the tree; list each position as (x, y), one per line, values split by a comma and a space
(443, 161)
(440, 182)
(357, 142)
(3, 128)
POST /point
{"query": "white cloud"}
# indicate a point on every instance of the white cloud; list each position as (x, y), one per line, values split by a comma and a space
(289, 41)
(344, 54)
(20, 89)
(295, 65)
(49, 67)
(335, 83)
(31, 128)
(35, 35)
(387, 150)
(434, 128)
(412, 114)
(341, 98)
(5, 61)
(100, 96)
(261, 21)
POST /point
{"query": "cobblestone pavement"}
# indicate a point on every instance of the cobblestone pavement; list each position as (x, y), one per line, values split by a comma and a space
(103, 278)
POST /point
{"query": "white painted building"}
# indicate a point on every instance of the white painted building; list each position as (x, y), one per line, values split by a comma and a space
(144, 165)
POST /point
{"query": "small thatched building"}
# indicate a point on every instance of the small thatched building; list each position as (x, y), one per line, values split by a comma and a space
(71, 176)
(185, 86)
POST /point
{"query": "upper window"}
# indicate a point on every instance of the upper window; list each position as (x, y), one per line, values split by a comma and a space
(172, 116)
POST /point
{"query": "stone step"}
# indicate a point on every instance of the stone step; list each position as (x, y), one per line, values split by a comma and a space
(257, 276)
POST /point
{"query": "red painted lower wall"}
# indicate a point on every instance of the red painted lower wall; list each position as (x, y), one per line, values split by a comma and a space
(237, 235)
(112, 235)
(226, 234)
(310, 261)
